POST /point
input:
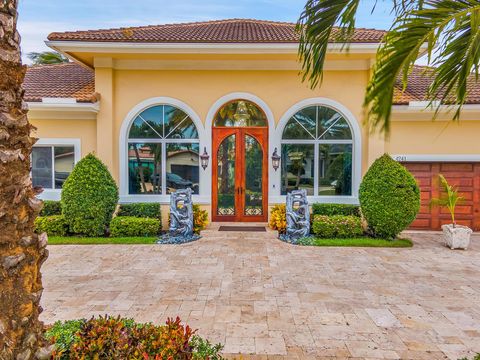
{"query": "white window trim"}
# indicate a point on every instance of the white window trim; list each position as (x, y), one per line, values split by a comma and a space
(125, 197)
(55, 194)
(275, 195)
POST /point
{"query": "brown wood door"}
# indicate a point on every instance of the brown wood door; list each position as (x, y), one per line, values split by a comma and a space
(240, 174)
(466, 176)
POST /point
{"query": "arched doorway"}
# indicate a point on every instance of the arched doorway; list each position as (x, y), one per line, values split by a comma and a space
(240, 163)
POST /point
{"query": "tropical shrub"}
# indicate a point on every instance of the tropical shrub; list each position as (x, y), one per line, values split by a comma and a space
(119, 338)
(337, 226)
(54, 225)
(89, 197)
(389, 198)
(51, 207)
(200, 219)
(63, 335)
(449, 198)
(142, 210)
(335, 209)
(278, 218)
(125, 226)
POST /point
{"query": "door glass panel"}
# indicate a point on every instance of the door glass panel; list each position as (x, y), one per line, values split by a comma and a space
(226, 176)
(253, 177)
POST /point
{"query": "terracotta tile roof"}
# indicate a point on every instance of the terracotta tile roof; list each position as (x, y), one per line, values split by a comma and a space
(419, 81)
(68, 80)
(219, 31)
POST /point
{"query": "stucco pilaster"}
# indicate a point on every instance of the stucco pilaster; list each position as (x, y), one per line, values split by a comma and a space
(105, 117)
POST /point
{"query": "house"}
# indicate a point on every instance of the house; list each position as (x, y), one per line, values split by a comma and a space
(149, 101)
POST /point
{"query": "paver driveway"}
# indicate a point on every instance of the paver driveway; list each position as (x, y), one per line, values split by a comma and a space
(258, 295)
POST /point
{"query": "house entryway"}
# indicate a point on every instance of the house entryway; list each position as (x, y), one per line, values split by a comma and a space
(240, 163)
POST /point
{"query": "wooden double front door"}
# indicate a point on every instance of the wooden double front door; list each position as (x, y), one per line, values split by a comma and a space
(240, 174)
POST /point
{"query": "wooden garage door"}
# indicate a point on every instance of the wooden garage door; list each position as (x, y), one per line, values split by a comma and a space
(465, 175)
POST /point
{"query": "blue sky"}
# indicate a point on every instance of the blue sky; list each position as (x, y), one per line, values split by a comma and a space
(38, 18)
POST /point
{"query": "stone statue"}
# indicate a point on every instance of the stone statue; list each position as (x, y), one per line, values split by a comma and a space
(181, 219)
(298, 216)
(181, 213)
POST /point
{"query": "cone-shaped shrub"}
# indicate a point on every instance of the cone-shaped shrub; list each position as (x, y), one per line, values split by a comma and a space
(89, 197)
(389, 198)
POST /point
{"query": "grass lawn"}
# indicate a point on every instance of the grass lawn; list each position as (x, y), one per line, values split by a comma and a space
(359, 242)
(71, 240)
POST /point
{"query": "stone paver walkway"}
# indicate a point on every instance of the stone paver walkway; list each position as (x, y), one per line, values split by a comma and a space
(258, 295)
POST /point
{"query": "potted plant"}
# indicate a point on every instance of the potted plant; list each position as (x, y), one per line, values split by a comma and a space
(455, 236)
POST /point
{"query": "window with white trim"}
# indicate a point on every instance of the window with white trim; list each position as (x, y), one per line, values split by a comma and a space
(163, 152)
(51, 165)
(317, 148)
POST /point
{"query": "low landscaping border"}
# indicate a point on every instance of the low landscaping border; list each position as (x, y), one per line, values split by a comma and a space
(75, 240)
(356, 242)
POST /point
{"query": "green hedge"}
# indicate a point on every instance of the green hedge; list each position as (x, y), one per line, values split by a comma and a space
(335, 209)
(53, 225)
(123, 226)
(89, 197)
(141, 210)
(51, 207)
(389, 198)
(337, 226)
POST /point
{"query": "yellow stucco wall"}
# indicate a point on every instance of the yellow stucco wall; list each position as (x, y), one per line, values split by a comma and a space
(85, 130)
(434, 137)
(280, 90)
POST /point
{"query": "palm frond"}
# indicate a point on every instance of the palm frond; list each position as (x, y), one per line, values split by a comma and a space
(449, 199)
(47, 57)
(438, 23)
(448, 29)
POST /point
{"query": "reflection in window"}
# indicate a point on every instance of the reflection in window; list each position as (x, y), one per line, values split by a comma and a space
(144, 168)
(335, 169)
(240, 113)
(168, 158)
(317, 135)
(51, 165)
(297, 168)
(182, 167)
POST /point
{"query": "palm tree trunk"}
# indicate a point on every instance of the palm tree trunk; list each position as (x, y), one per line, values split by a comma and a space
(22, 252)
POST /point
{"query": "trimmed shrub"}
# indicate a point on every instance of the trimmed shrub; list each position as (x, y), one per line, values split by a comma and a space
(336, 209)
(141, 210)
(51, 207)
(200, 219)
(125, 226)
(337, 226)
(89, 197)
(119, 338)
(54, 225)
(278, 218)
(389, 198)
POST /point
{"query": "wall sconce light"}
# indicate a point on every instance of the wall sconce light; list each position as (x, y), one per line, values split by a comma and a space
(204, 158)
(275, 160)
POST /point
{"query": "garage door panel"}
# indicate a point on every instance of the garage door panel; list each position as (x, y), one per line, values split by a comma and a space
(465, 176)
(454, 167)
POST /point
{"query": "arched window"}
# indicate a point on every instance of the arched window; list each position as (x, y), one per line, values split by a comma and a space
(317, 149)
(163, 152)
(240, 113)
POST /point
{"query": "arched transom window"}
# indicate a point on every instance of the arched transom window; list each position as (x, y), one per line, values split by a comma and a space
(163, 152)
(317, 149)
